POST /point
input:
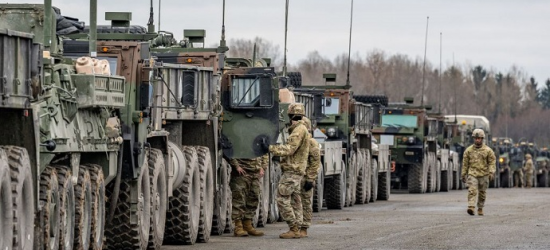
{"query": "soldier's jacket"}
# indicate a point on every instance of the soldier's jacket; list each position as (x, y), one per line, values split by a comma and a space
(313, 160)
(296, 150)
(529, 166)
(251, 166)
(478, 162)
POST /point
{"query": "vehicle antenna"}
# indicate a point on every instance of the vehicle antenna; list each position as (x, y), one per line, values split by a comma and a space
(348, 85)
(286, 31)
(424, 66)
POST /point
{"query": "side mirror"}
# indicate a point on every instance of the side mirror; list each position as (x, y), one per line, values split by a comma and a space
(328, 102)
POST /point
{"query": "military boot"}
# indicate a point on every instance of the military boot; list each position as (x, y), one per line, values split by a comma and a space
(303, 232)
(293, 233)
(247, 226)
(480, 211)
(239, 232)
(470, 210)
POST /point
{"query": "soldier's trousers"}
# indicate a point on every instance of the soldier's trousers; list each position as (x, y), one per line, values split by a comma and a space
(477, 186)
(528, 179)
(289, 200)
(246, 196)
(518, 178)
(307, 209)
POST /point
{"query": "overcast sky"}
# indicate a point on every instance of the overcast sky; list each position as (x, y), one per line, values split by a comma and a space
(494, 33)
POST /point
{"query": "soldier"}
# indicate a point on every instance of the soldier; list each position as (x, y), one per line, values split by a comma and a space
(308, 182)
(293, 165)
(518, 173)
(478, 167)
(245, 187)
(528, 168)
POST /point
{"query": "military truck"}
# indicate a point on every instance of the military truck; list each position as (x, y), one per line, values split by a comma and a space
(411, 136)
(444, 155)
(505, 149)
(343, 125)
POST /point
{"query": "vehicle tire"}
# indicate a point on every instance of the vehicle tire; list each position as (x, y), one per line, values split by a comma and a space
(182, 219)
(83, 209)
(438, 175)
(275, 176)
(432, 172)
(543, 179)
(336, 191)
(367, 159)
(122, 231)
(374, 178)
(352, 182)
(372, 99)
(207, 193)
(446, 181)
(417, 178)
(456, 178)
(50, 200)
(159, 198)
(317, 203)
(7, 226)
(361, 187)
(219, 218)
(263, 211)
(19, 168)
(98, 206)
(67, 208)
(295, 79)
(505, 179)
(384, 185)
(229, 226)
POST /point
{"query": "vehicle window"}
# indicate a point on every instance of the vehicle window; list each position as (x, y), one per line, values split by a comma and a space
(334, 106)
(409, 121)
(245, 91)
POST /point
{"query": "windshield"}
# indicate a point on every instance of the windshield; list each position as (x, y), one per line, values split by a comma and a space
(245, 91)
(334, 106)
(408, 121)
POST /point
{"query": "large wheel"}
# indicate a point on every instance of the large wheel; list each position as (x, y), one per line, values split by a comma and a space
(505, 178)
(456, 178)
(263, 206)
(50, 214)
(83, 209)
(376, 99)
(543, 179)
(207, 193)
(384, 185)
(356, 158)
(159, 198)
(182, 222)
(317, 203)
(129, 228)
(219, 218)
(438, 175)
(19, 168)
(432, 173)
(374, 181)
(417, 176)
(446, 179)
(295, 79)
(367, 162)
(275, 176)
(67, 208)
(6, 205)
(98, 206)
(351, 184)
(336, 191)
(229, 226)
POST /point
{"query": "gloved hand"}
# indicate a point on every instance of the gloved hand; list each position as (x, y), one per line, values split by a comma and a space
(464, 179)
(264, 145)
(308, 186)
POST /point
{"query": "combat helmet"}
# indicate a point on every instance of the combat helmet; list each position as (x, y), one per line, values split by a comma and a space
(522, 143)
(506, 141)
(296, 109)
(478, 133)
(530, 144)
(528, 156)
(307, 122)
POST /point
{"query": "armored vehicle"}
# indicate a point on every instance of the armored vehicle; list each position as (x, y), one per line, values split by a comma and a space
(411, 136)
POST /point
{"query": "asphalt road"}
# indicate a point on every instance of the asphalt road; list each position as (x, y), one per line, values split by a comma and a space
(514, 219)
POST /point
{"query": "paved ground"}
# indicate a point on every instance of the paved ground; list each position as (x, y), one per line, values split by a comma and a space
(514, 219)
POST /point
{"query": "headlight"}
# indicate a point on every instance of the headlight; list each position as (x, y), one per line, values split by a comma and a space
(331, 132)
(501, 160)
(411, 140)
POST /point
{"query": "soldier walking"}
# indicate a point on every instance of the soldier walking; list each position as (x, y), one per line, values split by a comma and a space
(293, 165)
(529, 169)
(478, 167)
(308, 182)
(245, 188)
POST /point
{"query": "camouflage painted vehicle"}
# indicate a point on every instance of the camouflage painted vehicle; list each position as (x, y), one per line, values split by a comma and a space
(342, 120)
(444, 156)
(64, 143)
(412, 138)
(505, 148)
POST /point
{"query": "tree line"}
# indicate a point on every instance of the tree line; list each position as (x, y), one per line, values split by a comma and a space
(513, 101)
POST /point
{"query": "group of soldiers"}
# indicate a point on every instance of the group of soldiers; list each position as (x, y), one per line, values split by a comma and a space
(528, 168)
(300, 162)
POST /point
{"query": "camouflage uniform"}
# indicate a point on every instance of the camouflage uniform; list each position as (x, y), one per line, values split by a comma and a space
(246, 188)
(529, 170)
(478, 163)
(518, 177)
(293, 165)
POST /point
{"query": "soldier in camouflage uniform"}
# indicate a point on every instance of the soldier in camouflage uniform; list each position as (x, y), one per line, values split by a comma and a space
(293, 165)
(478, 166)
(529, 170)
(308, 182)
(245, 187)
